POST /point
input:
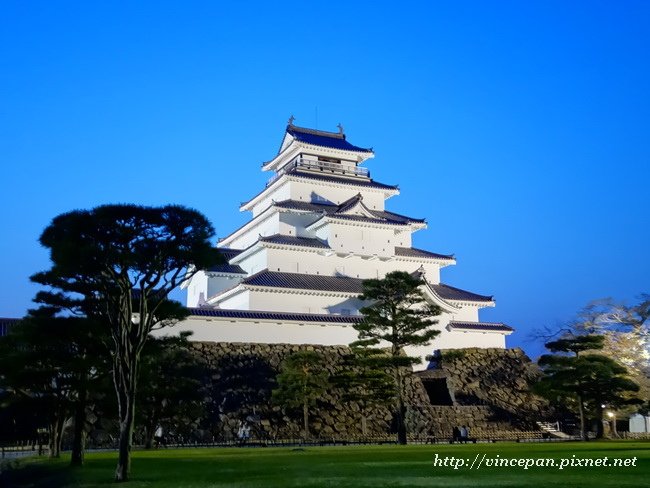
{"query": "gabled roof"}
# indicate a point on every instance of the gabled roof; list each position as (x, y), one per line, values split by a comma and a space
(412, 252)
(294, 241)
(264, 315)
(341, 211)
(335, 140)
(356, 182)
(344, 284)
(481, 326)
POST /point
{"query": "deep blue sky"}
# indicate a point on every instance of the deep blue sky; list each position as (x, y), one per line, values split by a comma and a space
(518, 129)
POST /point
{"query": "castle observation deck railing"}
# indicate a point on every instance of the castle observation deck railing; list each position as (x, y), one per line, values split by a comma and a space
(323, 167)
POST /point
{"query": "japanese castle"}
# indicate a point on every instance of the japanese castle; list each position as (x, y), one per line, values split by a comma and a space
(294, 271)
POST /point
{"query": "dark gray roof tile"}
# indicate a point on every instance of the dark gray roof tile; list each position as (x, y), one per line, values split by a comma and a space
(295, 241)
(305, 282)
(344, 284)
(344, 181)
(280, 316)
(225, 267)
(481, 326)
(333, 211)
(322, 138)
(412, 252)
(450, 293)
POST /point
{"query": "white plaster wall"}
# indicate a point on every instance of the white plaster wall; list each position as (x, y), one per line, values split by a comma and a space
(218, 283)
(237, 330)
(293, 224)
(255, 262)
(314, 191)
(301, 303)
(468, 313)
(310, 262)
(403, 238)
(352, 237)
(460, 340)
(267, 226)
(197, 289)
(431, 269)
(278, 194)
(239, 301)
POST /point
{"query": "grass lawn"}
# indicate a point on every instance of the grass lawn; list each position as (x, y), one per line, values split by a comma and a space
(353, 466)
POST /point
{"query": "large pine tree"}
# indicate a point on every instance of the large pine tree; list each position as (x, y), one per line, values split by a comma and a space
(396, 317)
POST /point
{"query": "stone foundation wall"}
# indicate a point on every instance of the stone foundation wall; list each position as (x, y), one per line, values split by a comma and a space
(498, 378)
(489, 387)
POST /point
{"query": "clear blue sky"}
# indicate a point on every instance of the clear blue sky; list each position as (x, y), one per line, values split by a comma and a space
(518, 129)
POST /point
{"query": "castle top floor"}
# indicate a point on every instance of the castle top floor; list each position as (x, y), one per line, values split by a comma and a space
(309, 156)
(319, 150)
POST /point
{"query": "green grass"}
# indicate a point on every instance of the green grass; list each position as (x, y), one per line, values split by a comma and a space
(354, 466)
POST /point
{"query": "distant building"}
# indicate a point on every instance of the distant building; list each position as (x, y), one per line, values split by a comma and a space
(318, 229)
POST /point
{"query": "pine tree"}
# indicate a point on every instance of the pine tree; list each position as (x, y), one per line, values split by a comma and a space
(397, 316)
(302, 380)
(578, 376)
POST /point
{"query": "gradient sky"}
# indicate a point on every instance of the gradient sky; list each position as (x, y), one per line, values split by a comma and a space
(520, 130)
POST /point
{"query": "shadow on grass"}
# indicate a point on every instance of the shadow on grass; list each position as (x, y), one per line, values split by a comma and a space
(35, 474)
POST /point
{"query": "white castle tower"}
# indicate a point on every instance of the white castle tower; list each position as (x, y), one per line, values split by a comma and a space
(318, 229)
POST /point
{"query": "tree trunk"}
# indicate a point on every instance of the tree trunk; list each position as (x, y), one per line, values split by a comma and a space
(401, 408)
(148, 440)
(55, 442)
(79, 434)
(305, 418)
(150, 433)
(401, 424)
(125, 377)
(600, 430)
(56, 435)
(583, 429)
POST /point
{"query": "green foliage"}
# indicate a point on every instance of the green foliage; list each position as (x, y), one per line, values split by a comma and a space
(365, 379)
(576, 344)
(171, 390)
(398, 315)
(48, 363)
(584, 381)
(118, 263)
(302, 380)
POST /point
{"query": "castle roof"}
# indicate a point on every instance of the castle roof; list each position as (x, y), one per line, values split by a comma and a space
(412, 252)
(335, 140)
(295, 241)
(361, 183)
(366, 183)
(345, 284)
(341, 211)
(281, 316)
(225, 267)
(480, 326)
